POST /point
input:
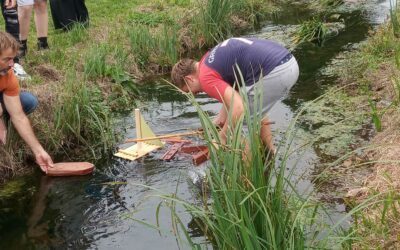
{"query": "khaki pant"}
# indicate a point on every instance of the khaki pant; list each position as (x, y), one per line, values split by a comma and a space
(273, 87)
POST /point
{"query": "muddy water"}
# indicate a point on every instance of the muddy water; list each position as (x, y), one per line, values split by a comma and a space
(97, 211)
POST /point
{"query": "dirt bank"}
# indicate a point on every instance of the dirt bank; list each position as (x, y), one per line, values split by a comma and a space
(373, 71)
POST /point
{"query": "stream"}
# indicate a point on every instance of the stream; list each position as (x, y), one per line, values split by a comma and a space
(101, 211)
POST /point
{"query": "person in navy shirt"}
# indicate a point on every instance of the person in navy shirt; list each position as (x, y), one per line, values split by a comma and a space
(251, 63)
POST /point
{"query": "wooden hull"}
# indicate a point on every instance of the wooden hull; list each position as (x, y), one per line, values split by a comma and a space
(134, 152)
(70, 169)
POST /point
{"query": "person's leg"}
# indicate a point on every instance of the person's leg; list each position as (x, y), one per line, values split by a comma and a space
(11, 22)
(42, 23)
(266, 135)
(268, 91)
(25, 8)
(28, 101)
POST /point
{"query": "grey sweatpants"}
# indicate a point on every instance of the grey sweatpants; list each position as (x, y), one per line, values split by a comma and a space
(273, 87)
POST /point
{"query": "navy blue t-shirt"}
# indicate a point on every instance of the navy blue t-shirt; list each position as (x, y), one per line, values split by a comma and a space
(253, 56)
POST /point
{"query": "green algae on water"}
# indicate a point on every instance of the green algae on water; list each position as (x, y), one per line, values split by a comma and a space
(11, 188)
(334, 122)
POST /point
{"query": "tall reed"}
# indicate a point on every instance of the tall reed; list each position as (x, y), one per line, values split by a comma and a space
(212, 23)
(95, 63)
(82, 118)
(159, 47)
(253, 204)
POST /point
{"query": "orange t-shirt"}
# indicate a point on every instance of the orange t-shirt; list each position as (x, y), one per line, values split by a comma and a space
(9, 84)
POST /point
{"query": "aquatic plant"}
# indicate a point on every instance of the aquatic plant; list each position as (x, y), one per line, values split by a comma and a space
(313, 30)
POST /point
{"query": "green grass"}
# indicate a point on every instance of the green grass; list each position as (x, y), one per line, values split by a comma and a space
(160, 48)
(212, 24)
(314, 30)
(394, 18)
(83, 119)
(151, 19)
(376, 117)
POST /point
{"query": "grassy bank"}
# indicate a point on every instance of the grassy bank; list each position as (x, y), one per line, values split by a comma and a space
(371, 76)
(90, 74)
(380, 73)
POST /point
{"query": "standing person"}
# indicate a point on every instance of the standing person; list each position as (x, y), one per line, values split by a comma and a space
(15, 104)
(25, 8)
(263, 64)
(10, 15)
(66, 13)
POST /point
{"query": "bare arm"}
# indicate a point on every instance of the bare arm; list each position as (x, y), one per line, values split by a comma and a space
(24, 128)
(220, 120)
(234, 104)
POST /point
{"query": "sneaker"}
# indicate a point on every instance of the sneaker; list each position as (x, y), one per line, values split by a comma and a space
(20, 72)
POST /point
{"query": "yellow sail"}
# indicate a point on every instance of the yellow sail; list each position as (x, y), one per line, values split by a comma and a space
(141, 148)
(146, 131)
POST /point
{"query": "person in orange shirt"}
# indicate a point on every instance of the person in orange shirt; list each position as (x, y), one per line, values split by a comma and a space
(15, 104)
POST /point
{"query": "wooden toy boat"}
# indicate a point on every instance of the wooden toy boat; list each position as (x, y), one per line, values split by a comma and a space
(70, 169)
(143, 145)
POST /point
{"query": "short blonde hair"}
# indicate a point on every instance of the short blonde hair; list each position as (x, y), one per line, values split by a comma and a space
(7, 41)
(181, 69)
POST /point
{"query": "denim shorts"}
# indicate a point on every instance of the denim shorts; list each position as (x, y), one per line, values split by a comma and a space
(28, 101)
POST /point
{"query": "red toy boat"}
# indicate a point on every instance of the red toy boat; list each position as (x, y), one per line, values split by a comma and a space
(70, 169)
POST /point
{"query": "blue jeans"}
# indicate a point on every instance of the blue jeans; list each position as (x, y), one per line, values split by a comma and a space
(28, 101)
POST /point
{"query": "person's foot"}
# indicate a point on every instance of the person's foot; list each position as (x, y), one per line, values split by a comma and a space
(23, 49)
(42, 43)
(20, 72)
(42, 46)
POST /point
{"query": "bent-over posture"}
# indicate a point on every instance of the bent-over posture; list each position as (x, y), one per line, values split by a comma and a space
(262, 64)
(15, 104)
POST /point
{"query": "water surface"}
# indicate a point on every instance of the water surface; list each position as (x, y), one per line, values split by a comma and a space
(89, 212)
